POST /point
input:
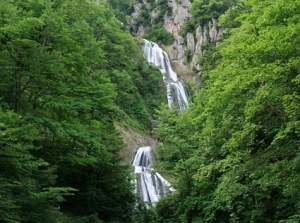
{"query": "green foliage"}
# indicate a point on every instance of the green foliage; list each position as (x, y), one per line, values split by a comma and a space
(235, 152)
(189, 55)
(160, 35)
(208, 58)
(204, 10)
(153, 24)
(143, 214)
(163, 9)
(144, 17)
(188, 27)
(150, 86)
(68, 70)
(230, 18)
(122, 9)
(27, 189)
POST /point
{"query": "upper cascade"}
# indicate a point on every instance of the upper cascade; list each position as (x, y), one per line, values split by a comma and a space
(175, 90)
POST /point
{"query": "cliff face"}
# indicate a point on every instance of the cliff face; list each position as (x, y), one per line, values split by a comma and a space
(186, 47)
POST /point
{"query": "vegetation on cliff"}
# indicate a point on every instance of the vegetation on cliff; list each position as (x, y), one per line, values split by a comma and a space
(153, 24)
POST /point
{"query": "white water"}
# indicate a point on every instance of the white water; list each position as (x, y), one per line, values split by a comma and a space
(175, 90)
(151, 186)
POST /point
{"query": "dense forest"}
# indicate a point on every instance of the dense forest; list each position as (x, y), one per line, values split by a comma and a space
(71, 72)
(234, 155)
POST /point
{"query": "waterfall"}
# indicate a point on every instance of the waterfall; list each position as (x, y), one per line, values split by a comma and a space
(151, 186)
(175, 90)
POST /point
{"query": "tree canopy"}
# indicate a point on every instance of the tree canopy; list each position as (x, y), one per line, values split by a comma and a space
(236, 150)
(69, 71)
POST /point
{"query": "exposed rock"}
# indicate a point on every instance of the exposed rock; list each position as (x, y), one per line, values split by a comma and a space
(205, 35)
(133, 23)
(180, 14)
(136, 10)
(184, 12)
(178, 53)
(181, 54)
(132, 140)
(173, 54)
(169, 24)
(190, 41)
(195, 64)
(199, 40)
(147, 4)
(141, 31)
(214, 32)
(180, 40)
(173, 24)
(154, 13)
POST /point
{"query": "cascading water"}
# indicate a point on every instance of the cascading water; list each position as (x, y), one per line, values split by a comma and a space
(175, 90)
(151, 186)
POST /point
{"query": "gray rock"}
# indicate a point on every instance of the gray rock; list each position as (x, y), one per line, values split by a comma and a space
(190, 41)
(173, 24)
(180, 40)
(140, 31)
(173, 54)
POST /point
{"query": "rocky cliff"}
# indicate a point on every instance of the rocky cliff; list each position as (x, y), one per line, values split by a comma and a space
(186, 47)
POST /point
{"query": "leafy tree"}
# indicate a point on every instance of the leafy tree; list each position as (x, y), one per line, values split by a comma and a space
(204, 10)
(27, 188)
(160, 35)
(122, 9)
(66, 75)
(243, 129)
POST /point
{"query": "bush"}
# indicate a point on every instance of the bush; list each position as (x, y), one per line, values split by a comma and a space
(160, 35)
(204, 10)
(188, 27)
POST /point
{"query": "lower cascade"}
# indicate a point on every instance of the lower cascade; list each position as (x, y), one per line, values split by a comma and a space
(150, 185)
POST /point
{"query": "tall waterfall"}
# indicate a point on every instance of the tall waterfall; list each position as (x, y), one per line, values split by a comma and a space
(151, 186)
(175, 90)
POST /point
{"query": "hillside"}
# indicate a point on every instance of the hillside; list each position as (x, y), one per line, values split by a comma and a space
(77, 97)
(67, 82)
(234, 154)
